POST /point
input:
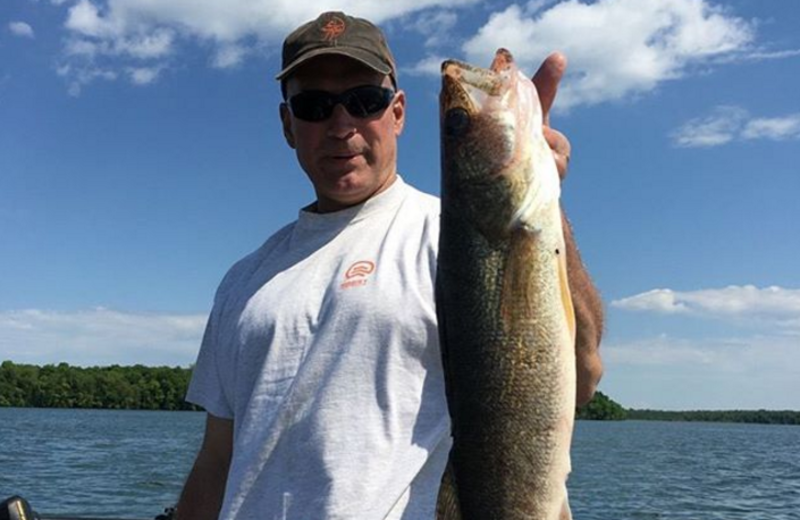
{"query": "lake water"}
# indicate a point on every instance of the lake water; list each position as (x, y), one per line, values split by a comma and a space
(131, 464)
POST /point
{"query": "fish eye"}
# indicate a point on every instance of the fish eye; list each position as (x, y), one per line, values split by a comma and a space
(456, 122)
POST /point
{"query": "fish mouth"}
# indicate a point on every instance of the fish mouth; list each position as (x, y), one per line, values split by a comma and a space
(467, 86)
(479, 98)
(466, 89)
(503, 60)
(455, 98)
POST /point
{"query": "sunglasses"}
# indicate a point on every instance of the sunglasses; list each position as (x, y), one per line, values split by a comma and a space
(317, 105)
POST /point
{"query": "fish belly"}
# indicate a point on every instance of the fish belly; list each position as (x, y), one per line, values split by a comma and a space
(507, 336)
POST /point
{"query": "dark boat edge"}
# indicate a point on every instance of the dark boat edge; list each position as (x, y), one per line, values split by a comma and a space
(17, 508)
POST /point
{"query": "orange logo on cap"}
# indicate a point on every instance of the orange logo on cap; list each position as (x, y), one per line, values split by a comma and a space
(357, 274)
(333, 28)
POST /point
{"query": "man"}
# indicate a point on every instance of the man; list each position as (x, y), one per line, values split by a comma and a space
(320, 367)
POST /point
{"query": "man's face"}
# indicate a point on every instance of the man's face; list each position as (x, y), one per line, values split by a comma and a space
(348, 159)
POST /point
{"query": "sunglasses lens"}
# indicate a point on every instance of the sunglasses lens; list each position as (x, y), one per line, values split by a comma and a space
(317, 105)
(312, 105)
(367, 100)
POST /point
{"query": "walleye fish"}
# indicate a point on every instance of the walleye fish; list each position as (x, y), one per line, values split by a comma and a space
(506, 321)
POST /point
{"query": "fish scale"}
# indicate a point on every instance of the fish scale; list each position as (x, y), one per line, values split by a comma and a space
(505, 315)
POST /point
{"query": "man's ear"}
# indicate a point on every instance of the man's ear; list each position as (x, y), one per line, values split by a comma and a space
(286, 121)
(399, 110)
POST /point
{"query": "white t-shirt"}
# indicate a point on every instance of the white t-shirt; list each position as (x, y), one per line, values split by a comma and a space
(322, 347)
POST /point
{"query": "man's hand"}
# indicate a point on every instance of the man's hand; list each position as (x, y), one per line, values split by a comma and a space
(546, 80)
(204, 490)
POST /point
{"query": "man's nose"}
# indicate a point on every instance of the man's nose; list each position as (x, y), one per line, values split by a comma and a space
(341, 125)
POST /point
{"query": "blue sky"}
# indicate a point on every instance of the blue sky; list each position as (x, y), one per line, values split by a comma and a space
(141, 155)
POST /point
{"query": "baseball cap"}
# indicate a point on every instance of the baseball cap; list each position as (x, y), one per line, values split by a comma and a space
(337, 33)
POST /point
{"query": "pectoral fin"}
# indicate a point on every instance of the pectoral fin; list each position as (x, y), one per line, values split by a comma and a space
(566, 294)
(447, 507)
(519, 302)
(566, 513)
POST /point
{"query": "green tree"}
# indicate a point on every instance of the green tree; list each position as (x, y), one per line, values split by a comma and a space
(117, 387)
(601, 408)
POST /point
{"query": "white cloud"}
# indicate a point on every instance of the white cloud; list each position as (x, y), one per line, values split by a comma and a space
(664, 351)
(84, 18)
(77, 77)
(99, 337)
(668, 372)
(21, 29)
(776, 128)
(770, 305)
(726, 124)
(658, 300)
(144, 75)
(748, 358)
(758, 55)
(143, 46)
(773, 55)
(436, 27)
(432, 65)
(107, 34)
(722, 126)
(228, 56)
(84, 48)
(616, 48)
(534, 6)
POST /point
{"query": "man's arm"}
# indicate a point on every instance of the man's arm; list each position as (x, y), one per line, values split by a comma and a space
(585, 298)
(203, 492)
(588, 320)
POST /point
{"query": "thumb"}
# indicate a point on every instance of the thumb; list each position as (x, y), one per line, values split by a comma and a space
(547, 79)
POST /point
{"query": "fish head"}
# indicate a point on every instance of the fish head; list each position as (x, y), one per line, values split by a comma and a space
(488, 120)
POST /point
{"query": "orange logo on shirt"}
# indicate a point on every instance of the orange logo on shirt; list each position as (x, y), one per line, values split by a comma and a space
(357, 274)
(360, 268)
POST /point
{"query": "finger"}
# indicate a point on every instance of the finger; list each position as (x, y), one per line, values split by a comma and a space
(562, 149)
(546, 80)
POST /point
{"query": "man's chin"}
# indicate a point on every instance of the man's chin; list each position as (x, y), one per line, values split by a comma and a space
(346, 192)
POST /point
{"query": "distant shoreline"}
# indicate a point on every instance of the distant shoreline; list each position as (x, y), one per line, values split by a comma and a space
(789, 417)
(163, 388)
(113, 387)
(603, 408)
(779, 417)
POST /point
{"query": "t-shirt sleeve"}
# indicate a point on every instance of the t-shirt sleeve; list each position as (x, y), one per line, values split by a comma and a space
(208, 387)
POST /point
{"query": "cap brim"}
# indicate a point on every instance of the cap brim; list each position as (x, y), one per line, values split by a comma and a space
(359, 55)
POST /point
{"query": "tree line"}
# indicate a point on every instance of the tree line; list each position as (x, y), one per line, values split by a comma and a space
(140, 387)
(603, 408)
(736, 416)
(114, 387)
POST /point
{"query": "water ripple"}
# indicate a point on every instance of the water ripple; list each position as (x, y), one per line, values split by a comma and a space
(133, 464)
(697, 471)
